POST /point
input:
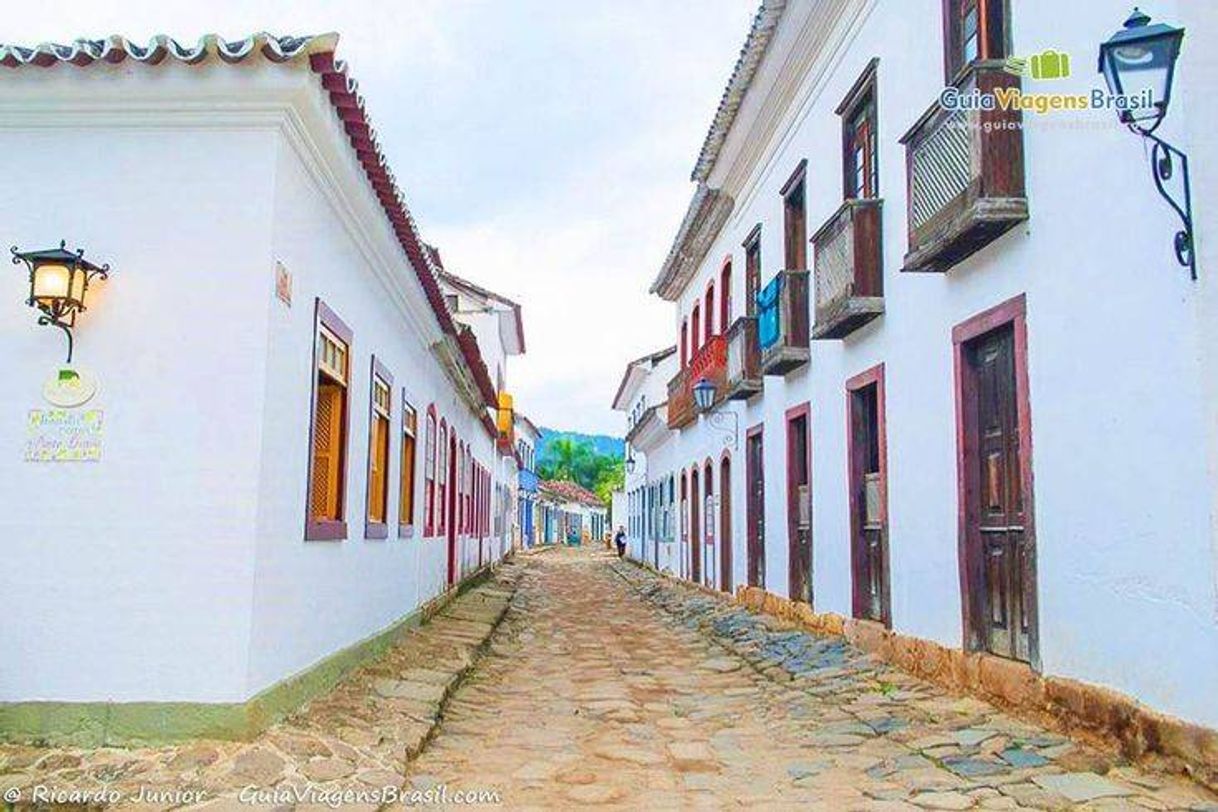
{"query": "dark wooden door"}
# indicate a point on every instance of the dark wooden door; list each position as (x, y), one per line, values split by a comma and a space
(799, 510)
(695, 535)
(869, 525)
(755, 482)
(451, 508)
(997, 520)
(725, 525)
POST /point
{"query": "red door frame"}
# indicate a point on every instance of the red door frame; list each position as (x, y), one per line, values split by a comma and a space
(755, 547)
(1012, 312)
(874, 375)
(708, 521)
(803, 410)
(695, 533)
(450, 527)
(725, 523)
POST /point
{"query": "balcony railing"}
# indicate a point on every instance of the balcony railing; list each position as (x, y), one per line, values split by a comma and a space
(681, 411)
(782, 323)
(965, 174)
(743, 360)
(709, 362)
(848, 279)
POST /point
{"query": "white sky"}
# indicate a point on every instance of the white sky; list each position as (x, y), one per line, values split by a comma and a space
(545, 147)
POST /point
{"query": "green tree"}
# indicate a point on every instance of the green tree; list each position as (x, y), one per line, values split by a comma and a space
(579, 462)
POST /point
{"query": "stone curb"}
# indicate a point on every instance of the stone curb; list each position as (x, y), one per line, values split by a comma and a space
(1097, 716)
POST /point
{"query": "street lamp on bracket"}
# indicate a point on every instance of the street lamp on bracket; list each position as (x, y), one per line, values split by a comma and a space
(1140, 61)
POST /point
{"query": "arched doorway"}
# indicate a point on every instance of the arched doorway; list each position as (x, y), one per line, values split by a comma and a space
(708, 517)
(695, 536)
(684, 524)
(451, 507)
(725, 524)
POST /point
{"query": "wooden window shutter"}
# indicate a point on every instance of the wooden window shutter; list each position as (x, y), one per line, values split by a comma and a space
(327, 451)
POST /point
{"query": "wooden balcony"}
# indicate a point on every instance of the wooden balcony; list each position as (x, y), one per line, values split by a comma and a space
(743, 360)
(965, 175)
(849, 277)
(681, 410)
(709, 362)
(782, 323)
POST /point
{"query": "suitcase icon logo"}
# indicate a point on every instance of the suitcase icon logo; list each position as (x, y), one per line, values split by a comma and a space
(1050, 64)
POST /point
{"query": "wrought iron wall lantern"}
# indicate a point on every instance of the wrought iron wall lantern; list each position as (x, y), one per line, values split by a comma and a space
(726, 422)
(630, 463)
(1141, 59)
(59, 283)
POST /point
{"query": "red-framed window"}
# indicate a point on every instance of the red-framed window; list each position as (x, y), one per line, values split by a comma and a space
(469, 493)
(380, 413)
(860, 151)
(795, 221)
(695, 331)
(752, 270)
(725, 296)
(973, 30)
(429, 473)
(710, 311)
(684, 344)
(328, 427)
(442, 479)
(406, 478)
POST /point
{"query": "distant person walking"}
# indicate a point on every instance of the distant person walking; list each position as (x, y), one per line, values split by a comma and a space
(620, 540)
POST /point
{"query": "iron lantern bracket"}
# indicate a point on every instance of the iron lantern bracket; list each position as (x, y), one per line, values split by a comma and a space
(1163, 160)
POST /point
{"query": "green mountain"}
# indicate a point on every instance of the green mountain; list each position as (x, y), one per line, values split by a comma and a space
(603, 444)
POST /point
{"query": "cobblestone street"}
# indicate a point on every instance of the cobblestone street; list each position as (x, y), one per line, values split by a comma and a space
(604, 684)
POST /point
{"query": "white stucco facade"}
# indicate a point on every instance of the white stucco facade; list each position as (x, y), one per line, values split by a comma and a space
(1119, 366)
(176, 568)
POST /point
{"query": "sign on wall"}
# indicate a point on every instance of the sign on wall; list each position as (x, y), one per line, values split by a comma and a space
(59, 435)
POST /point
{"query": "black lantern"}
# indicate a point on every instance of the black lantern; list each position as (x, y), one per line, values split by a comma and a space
(704, 394)
(59, 283)
(1140, 60)
(1139, 65)
(630, 464)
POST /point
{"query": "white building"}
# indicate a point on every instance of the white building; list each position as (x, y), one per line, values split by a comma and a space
(527, 521)
(642, 395)
(571, 513)
(982, 415)
(288, 451)
(497, 324)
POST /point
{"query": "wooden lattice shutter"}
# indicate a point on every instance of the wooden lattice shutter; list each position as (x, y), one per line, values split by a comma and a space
(327, 451)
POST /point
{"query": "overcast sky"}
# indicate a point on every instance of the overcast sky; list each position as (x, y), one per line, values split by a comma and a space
(545, 147)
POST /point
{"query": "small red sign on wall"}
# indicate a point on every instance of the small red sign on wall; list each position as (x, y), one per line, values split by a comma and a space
(283, 284)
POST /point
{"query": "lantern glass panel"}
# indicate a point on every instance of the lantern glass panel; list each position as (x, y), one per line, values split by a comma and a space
(51, 282)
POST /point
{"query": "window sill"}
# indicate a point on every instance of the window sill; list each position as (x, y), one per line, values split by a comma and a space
(326, 531)
(376, 531)
(405, 531)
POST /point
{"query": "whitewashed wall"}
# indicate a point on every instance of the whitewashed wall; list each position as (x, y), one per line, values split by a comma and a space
(175, 568)
(1123, 486)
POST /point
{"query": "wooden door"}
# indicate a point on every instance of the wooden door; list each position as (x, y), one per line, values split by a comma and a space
(868, 505)
(451, 507)
(755, 482)
(708, 523)
(799, 508)
(997, 520)
(725, 525)
(695, 535)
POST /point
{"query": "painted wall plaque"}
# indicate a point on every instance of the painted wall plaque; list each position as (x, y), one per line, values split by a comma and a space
(69, 387)
(60, 435)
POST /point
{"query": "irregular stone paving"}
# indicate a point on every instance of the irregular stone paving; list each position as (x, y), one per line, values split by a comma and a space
(608, 685)
(357, 738)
